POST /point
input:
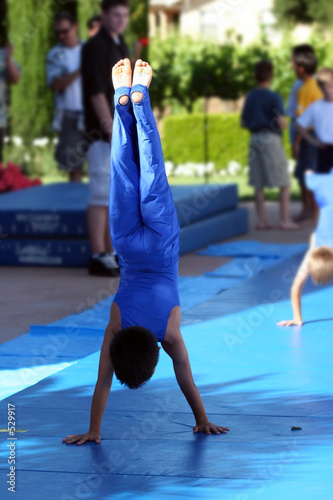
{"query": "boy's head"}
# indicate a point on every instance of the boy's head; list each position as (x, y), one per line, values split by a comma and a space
(134, 354)
(321, 265)
(263, 71)
(93, 25)
(325, 82)
(304, 61)
(65, 28)
(115, 15)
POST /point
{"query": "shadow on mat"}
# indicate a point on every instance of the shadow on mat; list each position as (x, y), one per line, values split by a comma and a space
(147, 438)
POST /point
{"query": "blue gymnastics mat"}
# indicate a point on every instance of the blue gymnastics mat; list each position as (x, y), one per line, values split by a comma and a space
(76, 252)
(254, 377)
(59, 210)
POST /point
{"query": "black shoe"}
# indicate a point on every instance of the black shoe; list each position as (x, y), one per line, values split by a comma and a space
(105, 264)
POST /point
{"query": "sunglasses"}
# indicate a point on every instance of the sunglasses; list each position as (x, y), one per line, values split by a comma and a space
(62, 32)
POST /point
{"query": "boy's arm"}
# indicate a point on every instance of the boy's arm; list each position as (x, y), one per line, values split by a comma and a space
(101, 393)
(175, 347)
(296, 293)
(304, 133)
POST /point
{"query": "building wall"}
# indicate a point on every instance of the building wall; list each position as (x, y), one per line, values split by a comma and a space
(213, 18)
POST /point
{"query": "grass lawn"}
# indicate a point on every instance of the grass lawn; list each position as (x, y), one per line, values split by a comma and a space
(245, 192)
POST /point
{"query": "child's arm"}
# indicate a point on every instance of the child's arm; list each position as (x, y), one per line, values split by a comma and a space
(296, 293)
(304, 133)
(175, 347)
(101, 393)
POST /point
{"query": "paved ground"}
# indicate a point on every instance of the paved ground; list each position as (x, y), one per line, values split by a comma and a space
(44, 295)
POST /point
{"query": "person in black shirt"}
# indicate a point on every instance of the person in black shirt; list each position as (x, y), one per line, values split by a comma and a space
(99, 54)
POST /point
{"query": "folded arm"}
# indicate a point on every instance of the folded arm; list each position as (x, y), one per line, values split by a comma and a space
(305, 134)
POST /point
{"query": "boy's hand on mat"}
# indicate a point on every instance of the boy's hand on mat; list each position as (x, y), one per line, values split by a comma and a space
(209, 428)
(83, 438)
(290, 322)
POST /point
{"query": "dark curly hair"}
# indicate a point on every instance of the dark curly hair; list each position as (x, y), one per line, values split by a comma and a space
(134, 354)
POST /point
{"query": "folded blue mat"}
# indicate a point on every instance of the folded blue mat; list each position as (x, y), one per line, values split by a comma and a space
(244, 267)
(254, 249)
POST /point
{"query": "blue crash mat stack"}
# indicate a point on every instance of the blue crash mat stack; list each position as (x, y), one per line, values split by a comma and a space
(46, 225)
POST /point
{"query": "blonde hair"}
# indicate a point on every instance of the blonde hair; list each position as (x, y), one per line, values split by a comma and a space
(324, 75)
(321, 265)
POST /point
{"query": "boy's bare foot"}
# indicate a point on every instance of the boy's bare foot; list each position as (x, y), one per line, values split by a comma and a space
(121, 77)
(265, 226)
(142, 75)
(302, 217)
(289, 226)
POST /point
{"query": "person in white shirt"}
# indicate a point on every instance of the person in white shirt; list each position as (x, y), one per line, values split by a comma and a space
(319, 116)
(63, 72)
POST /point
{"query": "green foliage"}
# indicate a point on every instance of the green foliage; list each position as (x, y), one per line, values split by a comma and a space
(187, 71)
(31, 101)
(86, 10)
(183, 139)
(305, 11)
(31, 30)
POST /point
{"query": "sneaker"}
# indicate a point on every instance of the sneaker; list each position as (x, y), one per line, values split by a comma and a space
(104, 264)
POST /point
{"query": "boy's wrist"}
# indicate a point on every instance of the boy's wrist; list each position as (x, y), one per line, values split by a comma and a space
(200, 419)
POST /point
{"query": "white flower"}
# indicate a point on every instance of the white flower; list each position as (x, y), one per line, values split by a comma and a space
(41, 141)
(210, 166)
(183, 170)
(222, 173)
(55, 140)
(246, 169)
(6, 139)
(17, 140)
(233, 167)
(26, 157)
(168, 167)
(291, 165)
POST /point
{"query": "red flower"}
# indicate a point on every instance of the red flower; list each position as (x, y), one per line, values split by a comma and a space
(144, 41)
(12, 179)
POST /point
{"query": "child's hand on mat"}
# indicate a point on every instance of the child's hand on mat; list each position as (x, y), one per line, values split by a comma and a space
(209, 428)
(290, 322)
(83, 438)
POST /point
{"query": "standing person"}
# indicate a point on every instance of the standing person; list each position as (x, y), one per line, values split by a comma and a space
(304, 63)
(99, 55)
(319, 118)
(263, 115)
(9, 73)
(292, 109)
(145, 228)
(64, 77)
(93, 25)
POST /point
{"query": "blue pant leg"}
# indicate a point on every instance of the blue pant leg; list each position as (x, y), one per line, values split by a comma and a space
(124, 208)
(156, 202)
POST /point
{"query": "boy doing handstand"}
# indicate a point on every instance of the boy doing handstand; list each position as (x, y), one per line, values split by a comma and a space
(145, 233)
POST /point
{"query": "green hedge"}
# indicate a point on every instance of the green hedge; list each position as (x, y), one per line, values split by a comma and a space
(183, 139)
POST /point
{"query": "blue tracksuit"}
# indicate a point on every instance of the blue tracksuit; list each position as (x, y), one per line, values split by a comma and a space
(143, 219)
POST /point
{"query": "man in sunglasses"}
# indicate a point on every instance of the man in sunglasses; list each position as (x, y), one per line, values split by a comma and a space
(64, 77)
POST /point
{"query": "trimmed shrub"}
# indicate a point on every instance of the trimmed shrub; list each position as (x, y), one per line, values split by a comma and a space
(183, 139)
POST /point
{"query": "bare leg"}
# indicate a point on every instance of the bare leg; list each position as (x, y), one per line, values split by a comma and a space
(75, 175)
(108, 242)
(260, 206)
(286, 224)
(97, 225)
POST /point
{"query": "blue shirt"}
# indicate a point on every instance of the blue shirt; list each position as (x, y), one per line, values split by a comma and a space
(261, 109)
(292, 103)
(322, 187)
